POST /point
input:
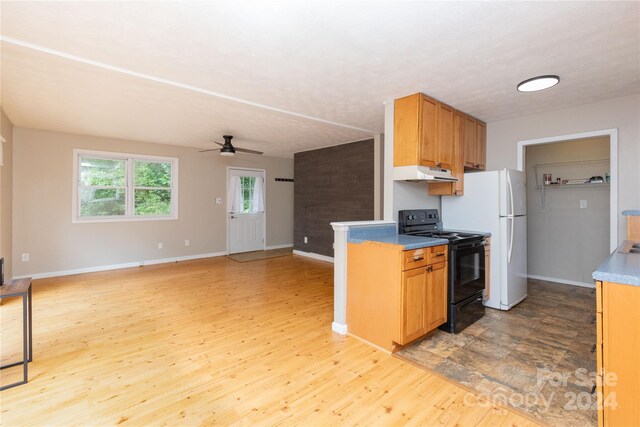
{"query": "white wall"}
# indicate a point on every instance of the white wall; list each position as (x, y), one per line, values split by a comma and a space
(6, 194)
(42, 189)
(566, 243)
(621, 113)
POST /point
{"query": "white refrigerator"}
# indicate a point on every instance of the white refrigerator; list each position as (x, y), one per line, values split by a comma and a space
(495, 201)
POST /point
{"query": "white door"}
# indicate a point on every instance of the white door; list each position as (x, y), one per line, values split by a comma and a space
(246, 210)
(513, 261)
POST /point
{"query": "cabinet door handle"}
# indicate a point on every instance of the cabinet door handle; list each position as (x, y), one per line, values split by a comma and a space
(430, 269)
(593, 349)
(418, 258)
(440, 254)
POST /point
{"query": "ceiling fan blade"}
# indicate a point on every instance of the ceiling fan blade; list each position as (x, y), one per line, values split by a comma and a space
(210, 149)
(245, 150)
(219, 143)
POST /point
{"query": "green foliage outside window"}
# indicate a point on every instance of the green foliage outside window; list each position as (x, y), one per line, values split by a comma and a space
(102, 173)
(103, 187)
(154, 198)
(247, 183)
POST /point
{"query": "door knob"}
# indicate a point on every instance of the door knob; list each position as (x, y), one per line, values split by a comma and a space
(233, 217)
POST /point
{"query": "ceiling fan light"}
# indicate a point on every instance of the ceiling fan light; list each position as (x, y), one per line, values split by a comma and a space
(227, 152)
(538, 83)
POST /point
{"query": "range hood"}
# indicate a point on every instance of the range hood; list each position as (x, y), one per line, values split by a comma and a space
(422, 173)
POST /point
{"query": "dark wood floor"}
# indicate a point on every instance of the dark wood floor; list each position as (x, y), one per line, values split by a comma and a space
(536, 357)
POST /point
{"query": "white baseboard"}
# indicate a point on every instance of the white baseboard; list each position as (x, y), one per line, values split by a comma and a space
(119, 266)
(314, 256)
(340, 328)
(288, 245)
(563, 281)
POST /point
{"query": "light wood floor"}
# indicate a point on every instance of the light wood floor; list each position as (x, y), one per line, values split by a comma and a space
(214, 342)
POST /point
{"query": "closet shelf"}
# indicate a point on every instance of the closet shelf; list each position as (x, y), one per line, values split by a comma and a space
(586, 184)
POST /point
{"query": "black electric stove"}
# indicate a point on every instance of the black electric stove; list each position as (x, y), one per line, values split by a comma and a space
(466, 270)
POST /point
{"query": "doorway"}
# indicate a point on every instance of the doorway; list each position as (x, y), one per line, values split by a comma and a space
(246, 210)
(568, 206)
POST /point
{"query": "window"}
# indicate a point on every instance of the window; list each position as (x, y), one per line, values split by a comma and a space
(247, 185)
(124, 187)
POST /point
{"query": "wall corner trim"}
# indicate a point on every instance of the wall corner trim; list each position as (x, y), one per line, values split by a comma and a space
(288, 245)
(340, 328)
(119, 266)
(313, 255)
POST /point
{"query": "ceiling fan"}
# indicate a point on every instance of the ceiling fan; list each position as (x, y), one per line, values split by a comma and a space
(227, 149)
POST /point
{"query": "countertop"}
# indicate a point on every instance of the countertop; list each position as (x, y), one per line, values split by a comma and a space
(635, 212)
(620, 268)
(388, 234)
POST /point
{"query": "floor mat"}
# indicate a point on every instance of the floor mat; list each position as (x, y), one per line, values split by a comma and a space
(258, 255)
(535, 357)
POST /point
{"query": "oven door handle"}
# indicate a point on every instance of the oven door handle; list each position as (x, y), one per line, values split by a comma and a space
(469, 245)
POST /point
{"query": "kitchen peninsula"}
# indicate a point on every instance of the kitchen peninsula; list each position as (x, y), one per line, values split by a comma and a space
(397, 285)
(618, 334)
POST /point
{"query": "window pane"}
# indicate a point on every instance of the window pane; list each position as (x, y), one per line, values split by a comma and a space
(152, 174)
(247, 183)
(102, 202)
(102, 172)
(152, 202)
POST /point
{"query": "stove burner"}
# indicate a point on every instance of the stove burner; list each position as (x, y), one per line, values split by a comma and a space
(445, 234)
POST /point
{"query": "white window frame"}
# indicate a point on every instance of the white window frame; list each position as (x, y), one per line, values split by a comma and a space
(130, 160)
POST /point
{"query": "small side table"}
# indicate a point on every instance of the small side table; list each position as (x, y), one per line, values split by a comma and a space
(21, 287)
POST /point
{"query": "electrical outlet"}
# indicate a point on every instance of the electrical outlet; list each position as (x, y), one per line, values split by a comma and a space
(186, 242)
(25, 257)
(218, 200)
(583, 204)
(306, 240)
(160, 246)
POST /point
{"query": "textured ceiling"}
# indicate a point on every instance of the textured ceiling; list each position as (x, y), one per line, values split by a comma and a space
(290, 76)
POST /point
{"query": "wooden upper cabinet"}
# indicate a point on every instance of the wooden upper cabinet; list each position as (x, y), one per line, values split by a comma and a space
(427, 132)
(469, 142)
(444, 146)
(481, 145)
(475, 144)
(457, 168)
(423, 132)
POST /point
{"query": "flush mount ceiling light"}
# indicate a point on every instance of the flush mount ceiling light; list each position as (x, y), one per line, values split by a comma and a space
(538, 83)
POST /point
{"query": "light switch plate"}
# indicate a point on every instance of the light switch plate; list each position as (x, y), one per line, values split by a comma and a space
(583, 204)
(218, 200)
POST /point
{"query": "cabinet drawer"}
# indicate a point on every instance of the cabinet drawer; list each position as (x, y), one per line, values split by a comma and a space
(437, 253)
(415, 258)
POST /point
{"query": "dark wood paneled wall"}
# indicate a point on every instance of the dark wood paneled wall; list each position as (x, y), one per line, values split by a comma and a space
(331, 184)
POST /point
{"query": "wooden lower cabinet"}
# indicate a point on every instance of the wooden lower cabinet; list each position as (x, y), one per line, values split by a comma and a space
(618, 353)
(633, 227)
(423, 301)
(390, 299)
(413, 303)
